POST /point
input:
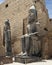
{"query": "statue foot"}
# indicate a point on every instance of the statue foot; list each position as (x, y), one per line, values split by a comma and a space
(20, 54)
(25, 54)
(8, 56)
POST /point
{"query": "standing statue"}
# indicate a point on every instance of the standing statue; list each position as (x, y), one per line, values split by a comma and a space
(7, 38)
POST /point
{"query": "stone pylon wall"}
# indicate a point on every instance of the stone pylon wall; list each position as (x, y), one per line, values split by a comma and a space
(16, 11)
(2, 49)
(42, 14)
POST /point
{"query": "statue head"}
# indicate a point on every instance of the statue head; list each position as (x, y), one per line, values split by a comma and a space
(7, 24)
(32, 14)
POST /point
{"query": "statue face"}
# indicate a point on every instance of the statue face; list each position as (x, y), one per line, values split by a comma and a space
(7, 24)
(31, 16)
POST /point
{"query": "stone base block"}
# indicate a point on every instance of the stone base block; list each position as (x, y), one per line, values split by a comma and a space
(27, 59)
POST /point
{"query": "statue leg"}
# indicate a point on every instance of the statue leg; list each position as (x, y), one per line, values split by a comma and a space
(27, 45)
(23, 43)
(23, 46)
(8, 49)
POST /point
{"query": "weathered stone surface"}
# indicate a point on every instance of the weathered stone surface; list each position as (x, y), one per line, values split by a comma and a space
(2, 49)
(42, 16)
(47, 46)
(5, 60)
(17, 11)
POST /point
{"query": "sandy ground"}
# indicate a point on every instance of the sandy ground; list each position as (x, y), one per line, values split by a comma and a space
(43, 62)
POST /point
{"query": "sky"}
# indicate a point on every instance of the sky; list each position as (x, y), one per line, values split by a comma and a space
(1, 1)
(48, 6)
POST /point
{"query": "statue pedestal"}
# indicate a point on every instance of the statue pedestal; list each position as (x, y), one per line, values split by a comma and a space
(5, 60)
(27, 59)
